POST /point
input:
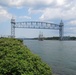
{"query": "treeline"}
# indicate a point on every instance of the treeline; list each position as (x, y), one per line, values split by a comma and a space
(57, 38)
(52, 38)
(72, 38)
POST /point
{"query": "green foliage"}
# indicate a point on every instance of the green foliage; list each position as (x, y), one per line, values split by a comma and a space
(17, 59)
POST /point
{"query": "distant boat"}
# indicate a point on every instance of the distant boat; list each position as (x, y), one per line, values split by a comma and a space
(41, 37)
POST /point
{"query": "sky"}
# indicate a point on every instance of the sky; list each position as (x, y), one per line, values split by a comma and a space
(52, 11)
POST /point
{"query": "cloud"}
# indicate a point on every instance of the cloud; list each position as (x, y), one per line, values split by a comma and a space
(49, 9)
(10, 2)
(32, 3)
(60, 13)
(37, 3)
(33, 11)
(60, 2)
(52, 9)
(4, 15)
(49, 14)
(73, 22)
(24, 17)
(19, 3)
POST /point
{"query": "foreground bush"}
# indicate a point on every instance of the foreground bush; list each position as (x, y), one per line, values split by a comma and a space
(16, 59)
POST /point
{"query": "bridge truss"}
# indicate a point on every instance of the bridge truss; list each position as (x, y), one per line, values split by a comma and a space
(36, 25)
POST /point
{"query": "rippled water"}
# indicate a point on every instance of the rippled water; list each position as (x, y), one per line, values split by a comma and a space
(60, 55)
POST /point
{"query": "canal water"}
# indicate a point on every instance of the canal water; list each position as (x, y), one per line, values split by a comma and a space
(59, 55)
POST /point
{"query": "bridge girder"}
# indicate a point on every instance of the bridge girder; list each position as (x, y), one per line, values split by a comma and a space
(36, 25)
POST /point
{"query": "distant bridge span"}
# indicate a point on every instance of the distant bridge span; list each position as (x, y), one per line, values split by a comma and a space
(36, 25)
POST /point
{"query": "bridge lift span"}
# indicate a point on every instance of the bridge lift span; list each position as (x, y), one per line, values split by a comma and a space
(36, 25)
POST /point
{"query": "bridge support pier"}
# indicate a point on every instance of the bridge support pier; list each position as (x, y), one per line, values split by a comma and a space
(61, 30)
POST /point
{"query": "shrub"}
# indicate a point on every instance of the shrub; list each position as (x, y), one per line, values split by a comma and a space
(17, 59)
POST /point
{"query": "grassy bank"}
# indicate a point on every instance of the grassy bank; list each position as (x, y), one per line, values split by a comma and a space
(17, 59)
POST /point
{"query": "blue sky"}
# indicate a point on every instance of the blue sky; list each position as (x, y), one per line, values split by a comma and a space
(38, 10)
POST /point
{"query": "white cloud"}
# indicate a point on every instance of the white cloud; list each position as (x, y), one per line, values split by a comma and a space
(50, 13)
(60, 2)
(38, 3)
(72, 22)
(4, 15)
(33, 11)
(19, 3)
(49, 9)
(33, 3)
(62, 13)
(24, 17)
(8, 3)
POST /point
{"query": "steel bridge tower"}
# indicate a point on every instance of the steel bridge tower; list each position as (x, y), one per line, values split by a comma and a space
(36, 25)
(13, 28)
(61, 26)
